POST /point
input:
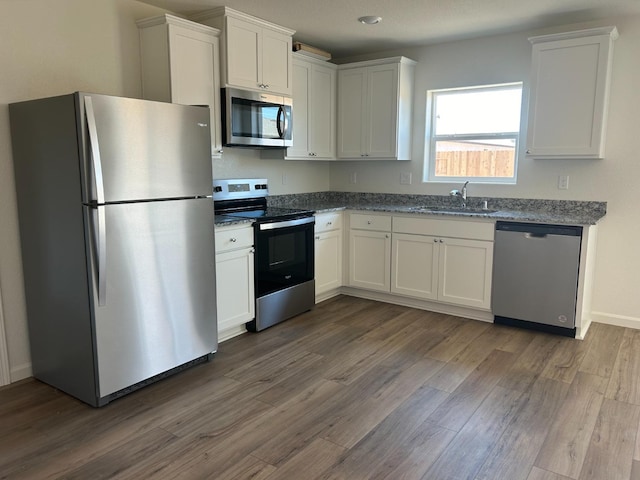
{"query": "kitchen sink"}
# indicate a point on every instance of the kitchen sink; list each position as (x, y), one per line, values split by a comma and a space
(452, 210)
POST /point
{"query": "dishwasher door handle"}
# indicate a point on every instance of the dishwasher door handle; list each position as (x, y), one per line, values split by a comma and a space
(535, 235)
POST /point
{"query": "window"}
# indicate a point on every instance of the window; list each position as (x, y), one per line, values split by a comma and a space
(472, 133)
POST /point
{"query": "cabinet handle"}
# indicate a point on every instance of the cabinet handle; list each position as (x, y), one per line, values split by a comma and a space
(441, 241)
(220, 151)
(528, 152)
(233, 240)
(368, 222)
(435, 240)
(317, 237)
(253, 250)
(329, 223)
(386, 236)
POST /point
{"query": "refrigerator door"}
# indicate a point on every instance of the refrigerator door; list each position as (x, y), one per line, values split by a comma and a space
(139, 150)
(158, 308)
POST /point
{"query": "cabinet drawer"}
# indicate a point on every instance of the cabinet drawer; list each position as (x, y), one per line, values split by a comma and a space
(361, 221)
(328, 221)
(445, 228)
(230, 238)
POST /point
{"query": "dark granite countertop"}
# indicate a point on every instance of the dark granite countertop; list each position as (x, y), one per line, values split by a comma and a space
(225, 221)
(568, 212)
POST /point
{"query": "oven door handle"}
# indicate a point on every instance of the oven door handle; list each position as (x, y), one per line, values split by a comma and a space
(286, 223)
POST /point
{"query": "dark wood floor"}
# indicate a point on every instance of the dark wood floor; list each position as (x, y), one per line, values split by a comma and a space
(354, 390)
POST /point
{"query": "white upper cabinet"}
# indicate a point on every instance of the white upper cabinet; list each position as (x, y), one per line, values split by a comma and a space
(570, 79)
(256, 54)
(375, 108)
(180, 64)
(314, 118)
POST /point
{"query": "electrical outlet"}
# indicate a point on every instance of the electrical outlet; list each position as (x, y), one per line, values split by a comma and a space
(405, 178)
(284, 178)
(353, 178)
(563, 182)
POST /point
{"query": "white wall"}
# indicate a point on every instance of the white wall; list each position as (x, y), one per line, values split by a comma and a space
(506, 58)
(284, 176)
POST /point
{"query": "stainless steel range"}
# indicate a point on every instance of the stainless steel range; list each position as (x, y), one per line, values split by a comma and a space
(284, 249)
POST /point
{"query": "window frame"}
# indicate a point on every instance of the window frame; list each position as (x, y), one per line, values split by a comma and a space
(431, 138)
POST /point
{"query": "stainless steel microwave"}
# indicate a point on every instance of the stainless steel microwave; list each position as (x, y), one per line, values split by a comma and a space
(256, 119)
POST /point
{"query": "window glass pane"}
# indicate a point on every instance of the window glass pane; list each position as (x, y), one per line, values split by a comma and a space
(478, 111)
(476, 158)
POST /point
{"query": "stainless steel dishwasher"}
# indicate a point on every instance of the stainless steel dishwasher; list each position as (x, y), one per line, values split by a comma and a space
(535, 276)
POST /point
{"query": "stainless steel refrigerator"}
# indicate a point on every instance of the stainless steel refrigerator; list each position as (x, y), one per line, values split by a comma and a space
(116, 226)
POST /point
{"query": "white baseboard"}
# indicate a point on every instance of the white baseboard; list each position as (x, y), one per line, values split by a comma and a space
(20, 372)
(617, 320)
(229, 333)
(471, 313)
(327, 295)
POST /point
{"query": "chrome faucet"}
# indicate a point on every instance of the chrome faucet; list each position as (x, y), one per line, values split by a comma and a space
(461, 194)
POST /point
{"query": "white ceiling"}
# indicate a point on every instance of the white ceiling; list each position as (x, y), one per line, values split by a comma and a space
(332, 24)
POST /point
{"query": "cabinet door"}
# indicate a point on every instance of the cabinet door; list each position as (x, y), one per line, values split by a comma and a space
(276, 62)
(234, 288)
(301, 102)
(328, 260)
(381, 112)
(194, 74)
(351, 104)
(414, 266)
(322, 121)
(465, 272)
(568, 98)
(244, 53)
(370, 260)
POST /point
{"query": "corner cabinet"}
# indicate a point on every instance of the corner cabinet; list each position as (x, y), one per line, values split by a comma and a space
(328, 255)
(374, 109)
(180, 64)
(314, 121)
(256, 54)
(235, 292)
(570, 93)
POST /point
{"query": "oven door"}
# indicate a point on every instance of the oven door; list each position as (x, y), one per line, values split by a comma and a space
(257, 119)
(284, 254)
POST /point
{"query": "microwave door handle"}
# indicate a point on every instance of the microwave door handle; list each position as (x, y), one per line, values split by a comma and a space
(279, 122)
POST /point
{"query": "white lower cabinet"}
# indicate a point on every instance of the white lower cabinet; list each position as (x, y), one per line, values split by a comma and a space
(328, 254)
(443, 268)
(370, 252)
(415, 266)
(234, 280)
(464, 272)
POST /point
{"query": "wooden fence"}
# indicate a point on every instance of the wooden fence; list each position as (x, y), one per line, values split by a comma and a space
(464, 160)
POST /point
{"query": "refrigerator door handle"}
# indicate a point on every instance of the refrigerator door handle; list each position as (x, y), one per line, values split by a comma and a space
(102, 256)
(94, 148)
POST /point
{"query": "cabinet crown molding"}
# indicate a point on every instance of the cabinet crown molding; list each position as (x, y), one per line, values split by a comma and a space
(380, 61)
(612, 31)
(230, 12)
(168, 19)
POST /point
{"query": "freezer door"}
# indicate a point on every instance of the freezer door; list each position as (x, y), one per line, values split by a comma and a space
(138, 149)
(157, 310)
